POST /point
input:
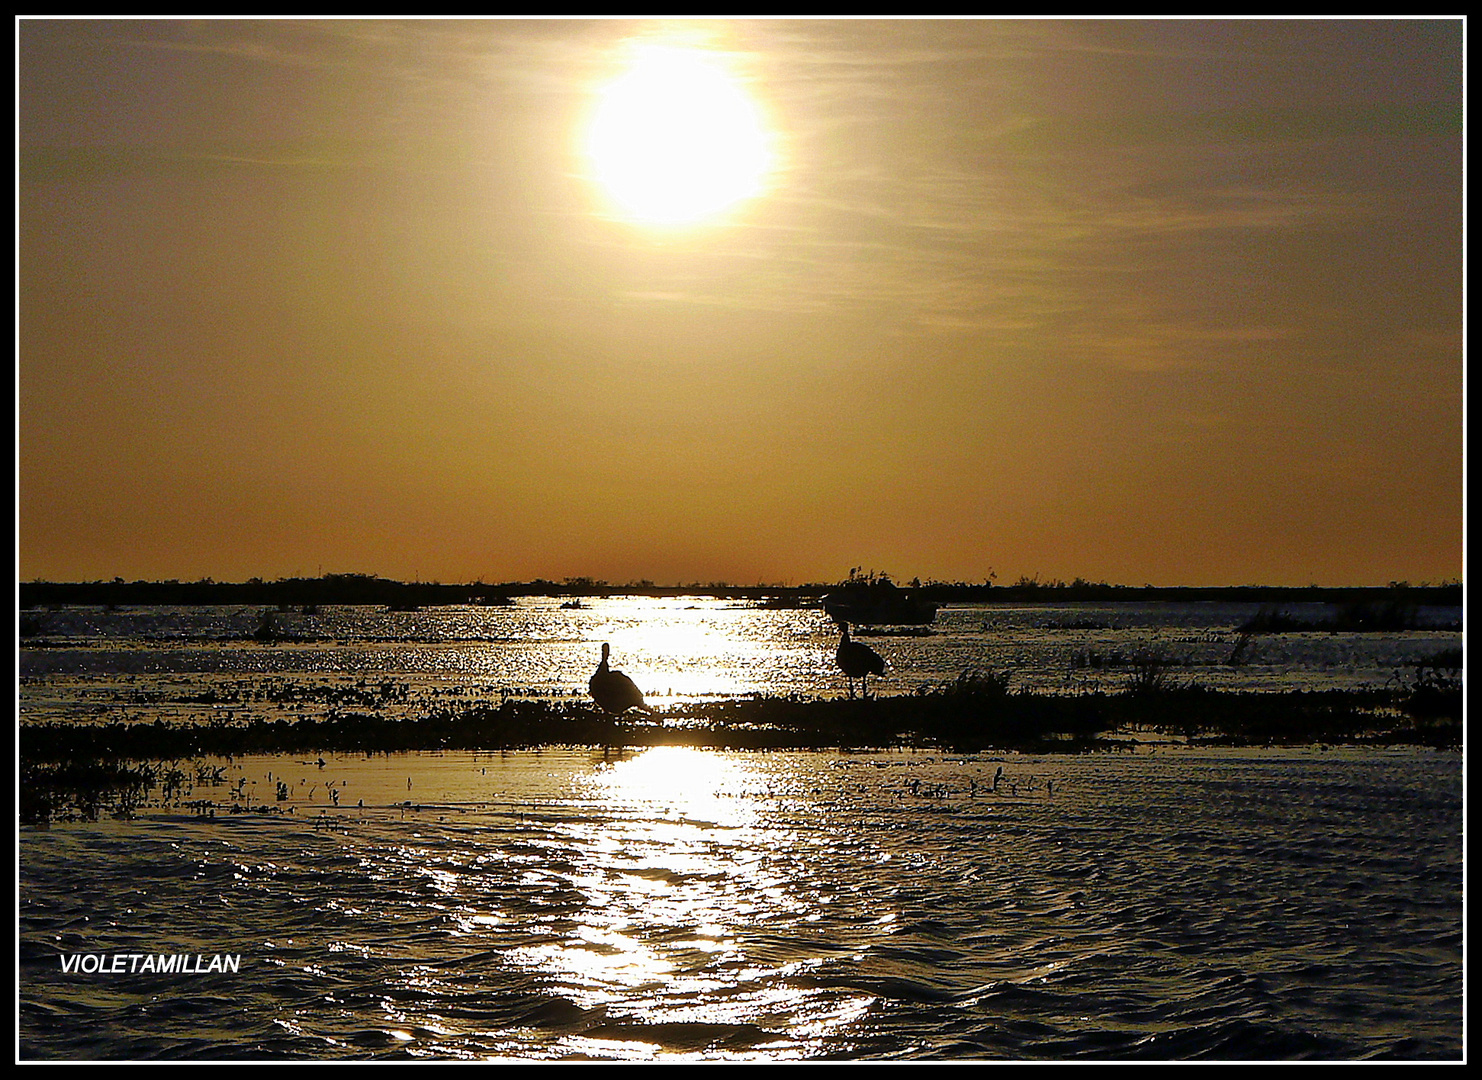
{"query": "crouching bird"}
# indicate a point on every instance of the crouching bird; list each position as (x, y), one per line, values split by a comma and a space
(856, 660)
(613, 691)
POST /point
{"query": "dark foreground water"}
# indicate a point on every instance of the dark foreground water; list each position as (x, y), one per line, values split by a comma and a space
(690, 904)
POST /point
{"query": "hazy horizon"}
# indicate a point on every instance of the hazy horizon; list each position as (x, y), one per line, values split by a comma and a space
(580, 582)
(1172, 302)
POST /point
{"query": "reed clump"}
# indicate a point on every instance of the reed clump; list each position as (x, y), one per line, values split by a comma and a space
(1434, 693)
(1151, 676)
(82, 790)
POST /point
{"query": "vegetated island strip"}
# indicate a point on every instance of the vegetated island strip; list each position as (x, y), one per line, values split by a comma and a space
(70, 765)
(367, 589)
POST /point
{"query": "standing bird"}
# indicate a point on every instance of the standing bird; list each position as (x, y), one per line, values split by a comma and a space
(613, 691)
(856, 660)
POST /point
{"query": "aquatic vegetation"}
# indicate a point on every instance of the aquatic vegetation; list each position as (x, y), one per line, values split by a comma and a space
(1273, 620)
(1392, 613)
(974, 682)
(1150, 675)
(1394, 610)
(976, 711)
(267, 628)
(74, 790)
(993, 680)
(1240, 654)
(1435, 691)
(85, 770)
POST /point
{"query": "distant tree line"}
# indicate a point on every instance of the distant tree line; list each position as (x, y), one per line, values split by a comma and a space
(334, 589)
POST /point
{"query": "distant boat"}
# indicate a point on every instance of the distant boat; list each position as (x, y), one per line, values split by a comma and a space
(878, 602)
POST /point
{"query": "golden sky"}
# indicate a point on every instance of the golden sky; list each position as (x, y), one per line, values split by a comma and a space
(1168, 302)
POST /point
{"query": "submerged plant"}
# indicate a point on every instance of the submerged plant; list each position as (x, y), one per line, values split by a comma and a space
(1150, 676)
(1238, 655)
(974, 682)
(1272, 620)
(267, 628)
(1435, 693)
(82, 790)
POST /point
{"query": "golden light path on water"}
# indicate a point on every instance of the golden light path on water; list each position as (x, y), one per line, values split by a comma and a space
(668, 651)
(679, 874)
(668, 904)
(671, 903)
(673, 649)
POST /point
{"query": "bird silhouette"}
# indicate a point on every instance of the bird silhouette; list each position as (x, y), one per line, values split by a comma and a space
(613, 691)
(857, 661)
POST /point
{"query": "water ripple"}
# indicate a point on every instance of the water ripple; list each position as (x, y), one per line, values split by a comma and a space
(726, 908)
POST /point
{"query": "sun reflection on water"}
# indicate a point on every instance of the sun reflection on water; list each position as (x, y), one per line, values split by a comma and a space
(676, 651)
(669, 877)
(690, 783)
(652, 905)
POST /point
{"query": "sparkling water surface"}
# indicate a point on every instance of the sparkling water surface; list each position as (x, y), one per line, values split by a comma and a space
(91, 663)
(679, 903)
(687, 904)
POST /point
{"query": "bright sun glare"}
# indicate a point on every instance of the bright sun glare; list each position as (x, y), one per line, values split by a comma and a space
(675, 139)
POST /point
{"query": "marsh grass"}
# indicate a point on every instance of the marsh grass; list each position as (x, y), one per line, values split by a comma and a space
(1151, 676)
(1434, 693)
(76, 790)
(974, 682)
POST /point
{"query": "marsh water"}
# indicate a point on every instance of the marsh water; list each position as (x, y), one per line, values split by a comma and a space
(215, 663)
(1164, 902)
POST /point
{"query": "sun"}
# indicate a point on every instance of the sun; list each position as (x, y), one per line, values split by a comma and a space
(676, 139)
